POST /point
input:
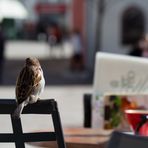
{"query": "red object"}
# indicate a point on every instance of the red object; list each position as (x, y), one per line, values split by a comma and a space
(143, 131)
(50, 8)
(134, 117)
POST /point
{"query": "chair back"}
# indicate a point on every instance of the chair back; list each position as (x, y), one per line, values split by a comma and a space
(7, 106)
(125, 140)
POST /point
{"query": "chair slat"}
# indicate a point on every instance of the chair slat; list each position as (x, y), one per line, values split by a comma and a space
(42, 136)
(6, 137)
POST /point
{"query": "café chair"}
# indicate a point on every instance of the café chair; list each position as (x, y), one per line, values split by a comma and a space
(127, 140)
(7, 106)
(114, 73)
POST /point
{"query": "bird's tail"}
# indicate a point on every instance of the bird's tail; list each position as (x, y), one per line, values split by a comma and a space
(18, 110)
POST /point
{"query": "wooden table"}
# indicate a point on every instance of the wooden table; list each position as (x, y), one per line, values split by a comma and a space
(81, 138)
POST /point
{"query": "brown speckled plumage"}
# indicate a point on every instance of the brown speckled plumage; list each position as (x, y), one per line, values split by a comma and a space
(30, 83)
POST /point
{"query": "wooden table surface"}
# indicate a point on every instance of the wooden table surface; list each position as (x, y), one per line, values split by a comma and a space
(81, 138)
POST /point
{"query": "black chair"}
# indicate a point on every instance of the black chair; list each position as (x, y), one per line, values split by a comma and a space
(41, 107)
(87, 110)
(125, 140)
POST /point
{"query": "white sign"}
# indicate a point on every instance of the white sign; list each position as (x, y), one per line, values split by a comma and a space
(120, 73)
(117, 74)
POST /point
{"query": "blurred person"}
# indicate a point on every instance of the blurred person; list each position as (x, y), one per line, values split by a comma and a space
(77, 59)
(144, 46)
(2, 48)
(54, 36)
(140, 48)
(136, 50)
(51, 36)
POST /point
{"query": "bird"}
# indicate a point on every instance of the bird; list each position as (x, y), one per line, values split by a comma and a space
(30, 84)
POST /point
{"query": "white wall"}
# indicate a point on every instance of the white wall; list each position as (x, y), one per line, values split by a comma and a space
(111, 36)
(31, 10)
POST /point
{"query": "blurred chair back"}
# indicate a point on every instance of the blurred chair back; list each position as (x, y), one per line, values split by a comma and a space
(125, 140)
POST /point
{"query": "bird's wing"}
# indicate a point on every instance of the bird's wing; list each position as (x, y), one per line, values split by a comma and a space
(28, 79)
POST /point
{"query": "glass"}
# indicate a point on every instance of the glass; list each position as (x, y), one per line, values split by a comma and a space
(136, 119)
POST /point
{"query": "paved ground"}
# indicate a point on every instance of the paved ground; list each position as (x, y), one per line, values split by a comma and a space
(69, 97)
(55, 65)
(70, 102)
(56, 72)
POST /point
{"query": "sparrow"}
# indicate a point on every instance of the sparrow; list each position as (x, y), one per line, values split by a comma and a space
(29, 85)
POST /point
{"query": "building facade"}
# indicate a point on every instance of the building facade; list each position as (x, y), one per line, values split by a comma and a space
(122, 24)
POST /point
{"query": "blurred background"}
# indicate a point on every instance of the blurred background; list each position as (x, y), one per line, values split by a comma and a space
(65, 35)
(52, 30)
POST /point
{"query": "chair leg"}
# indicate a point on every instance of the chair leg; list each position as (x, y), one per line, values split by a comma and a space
(58, 128)
(87, 110)
(17, 130)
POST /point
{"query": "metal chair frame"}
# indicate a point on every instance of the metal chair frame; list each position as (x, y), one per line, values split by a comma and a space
(7, 106)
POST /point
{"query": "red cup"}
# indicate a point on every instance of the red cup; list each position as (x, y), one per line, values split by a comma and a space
(136, 118)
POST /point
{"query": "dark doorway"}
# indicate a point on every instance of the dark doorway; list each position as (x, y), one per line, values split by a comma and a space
(133, 25)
